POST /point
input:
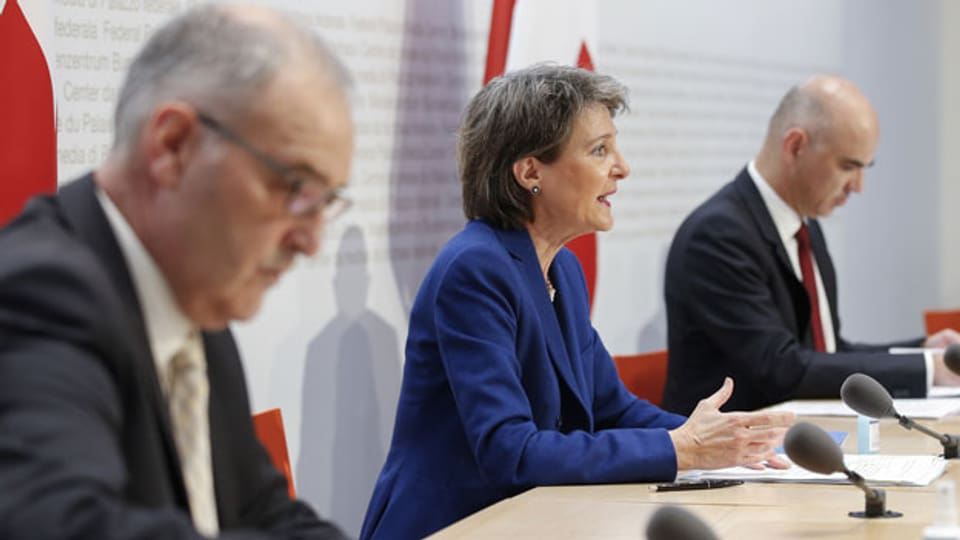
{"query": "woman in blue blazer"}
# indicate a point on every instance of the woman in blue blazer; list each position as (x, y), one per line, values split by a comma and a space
(506, 384)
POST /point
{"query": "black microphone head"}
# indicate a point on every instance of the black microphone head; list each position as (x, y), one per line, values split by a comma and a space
(951, 358)
(813, 449)
(674, 523)
(865, 395)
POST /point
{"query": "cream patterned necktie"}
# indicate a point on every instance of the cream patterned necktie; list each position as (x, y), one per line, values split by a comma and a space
(188, 396)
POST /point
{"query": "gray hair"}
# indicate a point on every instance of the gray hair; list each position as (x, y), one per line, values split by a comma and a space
(529, 112)
(210, 57)
(803, 108)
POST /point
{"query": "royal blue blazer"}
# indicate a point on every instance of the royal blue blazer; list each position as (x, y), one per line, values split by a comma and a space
(504, 390)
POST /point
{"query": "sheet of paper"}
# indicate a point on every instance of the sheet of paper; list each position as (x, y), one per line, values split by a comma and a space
(943, 391)
(914, 408)
(875, 468)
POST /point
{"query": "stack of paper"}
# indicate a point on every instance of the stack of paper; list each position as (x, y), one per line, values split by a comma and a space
(876, 469)
(914, 408)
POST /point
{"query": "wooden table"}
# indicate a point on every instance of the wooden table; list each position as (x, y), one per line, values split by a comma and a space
(753, 510)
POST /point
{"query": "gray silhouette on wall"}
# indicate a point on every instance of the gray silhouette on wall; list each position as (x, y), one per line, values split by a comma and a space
(353, 369)
(352, 366)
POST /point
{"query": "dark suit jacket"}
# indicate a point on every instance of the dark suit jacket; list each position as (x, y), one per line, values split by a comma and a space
(86, 448)
(503, 391)
(735, 308)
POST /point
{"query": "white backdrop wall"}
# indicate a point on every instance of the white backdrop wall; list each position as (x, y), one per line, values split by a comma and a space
(889, 265)
(704, 77)
(949, 147)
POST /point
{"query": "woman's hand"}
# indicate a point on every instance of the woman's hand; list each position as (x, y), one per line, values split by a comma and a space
(711, 439)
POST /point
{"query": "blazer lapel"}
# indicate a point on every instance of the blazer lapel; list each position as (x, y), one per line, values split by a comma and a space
(565, 308)
(82, 209)
(224, 485)
(761, 216)
(520, 246)
(819, 247)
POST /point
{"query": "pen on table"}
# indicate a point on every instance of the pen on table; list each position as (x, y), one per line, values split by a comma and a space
(699, 484)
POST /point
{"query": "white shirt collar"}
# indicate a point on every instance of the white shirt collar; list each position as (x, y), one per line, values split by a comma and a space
(785, 219)
(167, 327)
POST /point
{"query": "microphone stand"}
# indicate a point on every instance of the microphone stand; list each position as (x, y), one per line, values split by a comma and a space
(951, 443)
(876, 499)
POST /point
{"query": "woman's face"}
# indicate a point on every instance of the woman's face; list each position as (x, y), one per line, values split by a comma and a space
(575, 189)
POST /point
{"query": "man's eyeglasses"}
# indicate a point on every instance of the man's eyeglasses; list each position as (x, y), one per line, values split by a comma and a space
(306, 194)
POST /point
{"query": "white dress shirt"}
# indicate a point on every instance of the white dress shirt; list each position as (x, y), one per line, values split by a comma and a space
(168, 329)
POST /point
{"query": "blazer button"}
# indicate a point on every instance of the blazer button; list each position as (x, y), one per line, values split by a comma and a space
(559, 422)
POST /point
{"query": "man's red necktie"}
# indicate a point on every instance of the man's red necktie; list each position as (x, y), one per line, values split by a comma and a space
(810, 283)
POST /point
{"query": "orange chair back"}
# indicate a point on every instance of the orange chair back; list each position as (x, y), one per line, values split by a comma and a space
(269, 427)
(644, 374)
(939, 319)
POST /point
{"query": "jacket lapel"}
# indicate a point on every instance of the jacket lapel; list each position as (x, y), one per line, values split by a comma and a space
(85, 216)
(566, 305)
(819, 247)
(761, 216)
(520, 246)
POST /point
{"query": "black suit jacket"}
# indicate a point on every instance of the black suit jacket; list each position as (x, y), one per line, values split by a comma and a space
(736, 308)
(86, 448)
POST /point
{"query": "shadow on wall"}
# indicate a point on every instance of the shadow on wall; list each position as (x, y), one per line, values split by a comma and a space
(352, 369)
(352, 366)
(425, 200)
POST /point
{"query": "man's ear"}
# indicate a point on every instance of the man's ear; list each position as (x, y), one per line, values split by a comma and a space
(168, 138)
(795, 142)
(526, 171)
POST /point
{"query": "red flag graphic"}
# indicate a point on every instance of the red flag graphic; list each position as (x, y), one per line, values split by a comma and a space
(499, 43)
(28, 134)
(498, 48)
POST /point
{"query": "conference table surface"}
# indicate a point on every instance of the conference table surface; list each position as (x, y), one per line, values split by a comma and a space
(751, 510)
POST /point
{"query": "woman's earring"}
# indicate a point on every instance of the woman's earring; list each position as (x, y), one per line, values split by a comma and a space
(535, 190)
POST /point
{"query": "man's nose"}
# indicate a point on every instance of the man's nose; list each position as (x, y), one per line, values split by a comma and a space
(305, 237)
(857, 184)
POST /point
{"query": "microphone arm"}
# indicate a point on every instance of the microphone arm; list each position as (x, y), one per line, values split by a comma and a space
(871, 493)
(875, 504)
(951, 443)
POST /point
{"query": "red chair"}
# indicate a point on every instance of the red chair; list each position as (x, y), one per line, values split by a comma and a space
(644, 374)
(939, 319)
(269, 427)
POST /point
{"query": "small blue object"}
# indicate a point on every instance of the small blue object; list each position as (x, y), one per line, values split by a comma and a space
(868, 435)
(837, 436)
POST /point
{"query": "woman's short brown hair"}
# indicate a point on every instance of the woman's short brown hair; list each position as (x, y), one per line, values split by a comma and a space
(529, 112)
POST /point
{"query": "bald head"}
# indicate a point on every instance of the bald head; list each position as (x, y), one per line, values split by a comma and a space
(818, 106)
(819, 140)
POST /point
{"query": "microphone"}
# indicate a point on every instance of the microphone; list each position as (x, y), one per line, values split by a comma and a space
(674, 523)
(865, 395)
(951, 358)
(813, 449)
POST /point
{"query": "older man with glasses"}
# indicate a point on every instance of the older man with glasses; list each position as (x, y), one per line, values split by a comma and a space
(123, 406)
